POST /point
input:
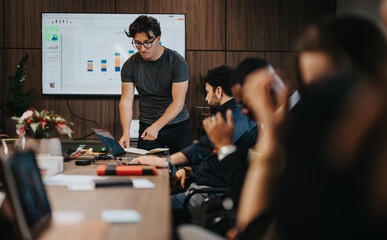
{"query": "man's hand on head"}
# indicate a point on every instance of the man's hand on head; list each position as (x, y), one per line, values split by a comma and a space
(259, 100)
(218, 131)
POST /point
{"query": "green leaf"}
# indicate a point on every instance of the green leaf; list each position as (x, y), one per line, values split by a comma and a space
(34, 126)
(16, 101)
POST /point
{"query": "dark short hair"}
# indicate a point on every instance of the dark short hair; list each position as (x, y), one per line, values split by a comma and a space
(144, 24)
(220, 77)
(246, 67)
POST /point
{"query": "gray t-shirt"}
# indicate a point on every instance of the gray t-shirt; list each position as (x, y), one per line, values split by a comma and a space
(153, 80)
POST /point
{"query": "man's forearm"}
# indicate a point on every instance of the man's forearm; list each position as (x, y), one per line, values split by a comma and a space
(258, 184)
(178, 159)
(172, 111)
(125, 117)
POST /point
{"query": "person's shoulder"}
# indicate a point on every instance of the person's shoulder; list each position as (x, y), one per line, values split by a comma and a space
(174, 55)
(132, 61)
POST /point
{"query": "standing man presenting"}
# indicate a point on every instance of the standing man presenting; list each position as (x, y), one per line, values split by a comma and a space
(161, 78)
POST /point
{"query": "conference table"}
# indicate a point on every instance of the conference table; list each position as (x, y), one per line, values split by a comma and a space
(152, 204)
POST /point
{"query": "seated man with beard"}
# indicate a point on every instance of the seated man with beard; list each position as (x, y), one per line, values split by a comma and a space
(204, 169)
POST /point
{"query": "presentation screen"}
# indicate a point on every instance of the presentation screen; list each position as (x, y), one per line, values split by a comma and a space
(83, 53)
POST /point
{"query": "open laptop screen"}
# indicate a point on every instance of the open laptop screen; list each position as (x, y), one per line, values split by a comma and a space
(113, 146)
(26, 194)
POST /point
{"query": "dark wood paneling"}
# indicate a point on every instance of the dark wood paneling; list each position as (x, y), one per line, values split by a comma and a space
(99, 109)
(283, 62)
(2, 82)
(205, 20)
(271, 24)
(1, 23)
(199, 63)
(22, 18)
(234, 58)
(2, 91)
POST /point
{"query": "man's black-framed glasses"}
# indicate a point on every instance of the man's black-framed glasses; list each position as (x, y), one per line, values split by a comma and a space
(145, 44)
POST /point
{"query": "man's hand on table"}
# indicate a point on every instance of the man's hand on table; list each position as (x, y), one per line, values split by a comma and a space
(151, 160)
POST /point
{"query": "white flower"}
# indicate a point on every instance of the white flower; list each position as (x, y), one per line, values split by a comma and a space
(27, 114)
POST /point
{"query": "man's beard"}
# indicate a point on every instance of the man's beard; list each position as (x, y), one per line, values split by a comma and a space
(214, 108)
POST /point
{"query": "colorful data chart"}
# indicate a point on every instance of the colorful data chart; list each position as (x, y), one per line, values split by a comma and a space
(131, 53)
(117, 62)
(89, 65)
(103, 65)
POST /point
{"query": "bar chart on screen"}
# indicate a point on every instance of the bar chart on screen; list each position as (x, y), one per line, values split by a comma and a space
(84, 53)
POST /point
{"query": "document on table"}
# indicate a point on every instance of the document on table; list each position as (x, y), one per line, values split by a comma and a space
(120, 216)
(86, 182)
(73, 182)
(142, 183)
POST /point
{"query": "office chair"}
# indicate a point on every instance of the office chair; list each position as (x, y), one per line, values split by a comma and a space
(192, 192)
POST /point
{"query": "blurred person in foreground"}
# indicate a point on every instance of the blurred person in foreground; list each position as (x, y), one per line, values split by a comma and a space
(335, 145)
(221, 131)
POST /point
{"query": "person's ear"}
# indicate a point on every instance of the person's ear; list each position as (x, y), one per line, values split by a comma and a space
(219, 92)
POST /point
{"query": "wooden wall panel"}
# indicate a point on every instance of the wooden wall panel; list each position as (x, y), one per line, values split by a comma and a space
(234, 58)
(283, 62)
(271, 24)
(22, 18)
(2, 92)
(199, 62)
(99, 109)
(205, 28)
(1, 23)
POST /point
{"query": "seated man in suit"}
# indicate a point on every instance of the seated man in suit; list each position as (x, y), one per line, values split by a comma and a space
(233, 161)
(204, 169)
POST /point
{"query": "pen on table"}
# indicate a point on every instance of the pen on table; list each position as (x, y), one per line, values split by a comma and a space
(123, 158)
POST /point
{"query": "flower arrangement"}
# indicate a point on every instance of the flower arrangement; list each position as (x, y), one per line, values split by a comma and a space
(41, 124)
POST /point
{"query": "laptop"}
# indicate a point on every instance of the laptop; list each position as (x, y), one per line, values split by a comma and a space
(30, 211)
(112, 145)
(118, 152)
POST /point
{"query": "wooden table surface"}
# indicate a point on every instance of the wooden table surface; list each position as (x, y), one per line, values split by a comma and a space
(152, 204)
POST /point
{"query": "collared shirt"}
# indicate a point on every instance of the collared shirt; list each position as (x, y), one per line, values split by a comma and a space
(208, 171)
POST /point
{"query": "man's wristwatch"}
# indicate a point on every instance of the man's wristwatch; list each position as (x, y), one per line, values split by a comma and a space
(187, 172)
(225, 151)
(168, 163)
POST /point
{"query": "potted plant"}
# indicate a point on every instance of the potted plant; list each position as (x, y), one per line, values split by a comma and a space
(16, 101)
(43, 125)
